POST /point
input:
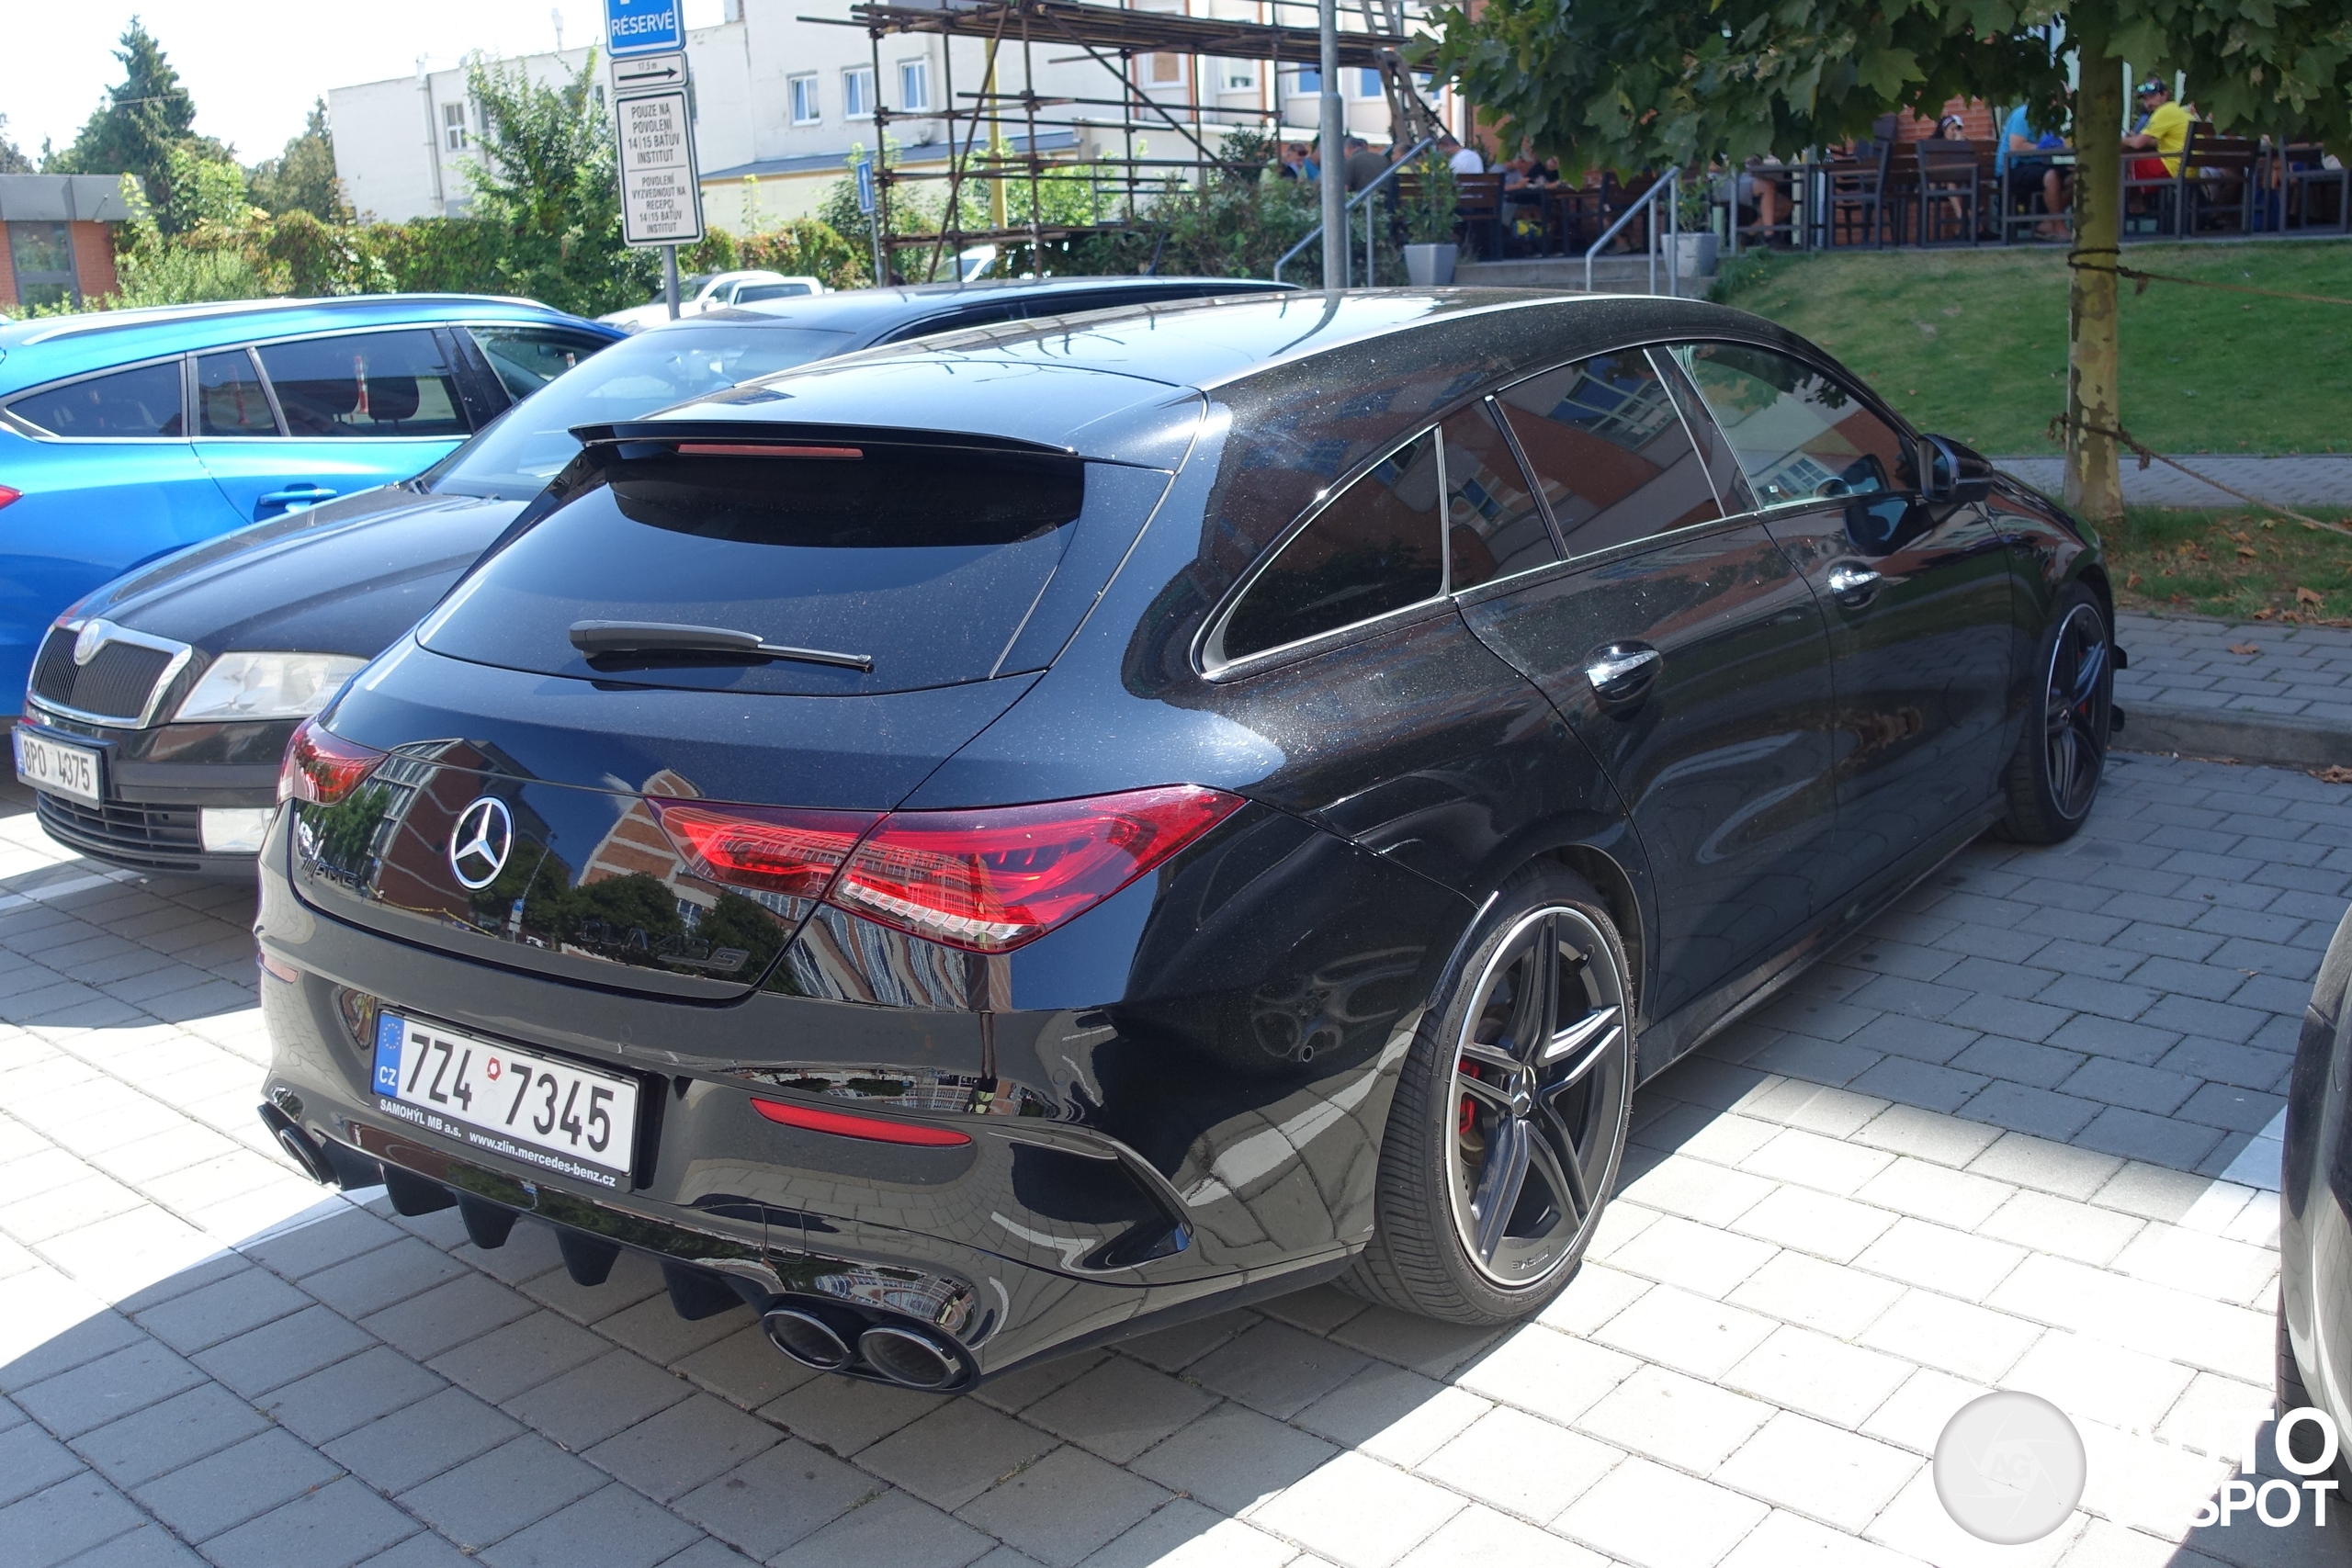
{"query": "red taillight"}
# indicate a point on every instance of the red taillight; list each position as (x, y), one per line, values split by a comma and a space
(7, 495)
(988, 881)
(779, 850)
(322, 768)
(848, 1126)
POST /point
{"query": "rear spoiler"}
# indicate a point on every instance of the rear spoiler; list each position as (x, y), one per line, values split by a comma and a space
(733, 433)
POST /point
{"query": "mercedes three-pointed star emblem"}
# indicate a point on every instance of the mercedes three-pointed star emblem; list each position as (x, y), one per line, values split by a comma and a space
(480, 842)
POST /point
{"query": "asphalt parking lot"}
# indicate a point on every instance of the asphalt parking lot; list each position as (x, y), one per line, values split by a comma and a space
(2022, 1135)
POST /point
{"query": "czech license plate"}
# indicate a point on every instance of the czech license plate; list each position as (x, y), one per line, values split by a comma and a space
(62, 769)
(555, 1114)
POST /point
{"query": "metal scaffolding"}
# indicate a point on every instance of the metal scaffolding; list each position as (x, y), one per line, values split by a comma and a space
(982, 147)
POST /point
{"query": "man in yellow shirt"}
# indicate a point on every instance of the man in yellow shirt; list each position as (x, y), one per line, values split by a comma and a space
(2166, 132)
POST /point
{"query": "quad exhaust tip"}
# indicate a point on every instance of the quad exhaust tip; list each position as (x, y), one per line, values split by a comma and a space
(909, 1359)
(806, 1338)
(903, 1355)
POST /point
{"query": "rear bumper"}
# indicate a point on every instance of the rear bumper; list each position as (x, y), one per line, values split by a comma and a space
(729, 1221)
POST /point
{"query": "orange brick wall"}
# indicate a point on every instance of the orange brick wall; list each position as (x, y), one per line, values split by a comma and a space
(93, 260)
(8, 272)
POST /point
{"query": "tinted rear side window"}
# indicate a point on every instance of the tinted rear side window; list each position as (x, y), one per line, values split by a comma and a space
(927, 560)
(1374, 548)
(1610, 451)
(379, 384)
(1494, 527)
(145, 401)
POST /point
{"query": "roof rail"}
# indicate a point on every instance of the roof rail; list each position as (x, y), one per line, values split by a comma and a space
(91, 321)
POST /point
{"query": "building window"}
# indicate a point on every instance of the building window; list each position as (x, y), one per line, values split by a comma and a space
(857, 91)
(453, 127)
(914, 85)
(1240, 76)
(804, 100)
(42, 256)
(1306, 84)
(1163, 70)
(1367, 83)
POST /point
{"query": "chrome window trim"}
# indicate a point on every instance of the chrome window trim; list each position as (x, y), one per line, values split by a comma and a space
(181, 653)
(32, 432)
(196, 393)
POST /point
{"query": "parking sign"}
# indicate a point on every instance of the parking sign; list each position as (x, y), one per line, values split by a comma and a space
(643, 26)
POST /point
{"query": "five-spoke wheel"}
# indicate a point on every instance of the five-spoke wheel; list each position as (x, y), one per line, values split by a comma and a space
(1539, 1081)
(2075, 712)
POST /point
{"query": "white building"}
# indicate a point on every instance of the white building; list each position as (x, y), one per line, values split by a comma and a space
(780, 103)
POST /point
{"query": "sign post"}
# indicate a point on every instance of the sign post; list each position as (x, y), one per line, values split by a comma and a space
(661, 187)
(865, 169)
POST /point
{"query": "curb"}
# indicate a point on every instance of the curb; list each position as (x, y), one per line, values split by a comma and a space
(2269, 738)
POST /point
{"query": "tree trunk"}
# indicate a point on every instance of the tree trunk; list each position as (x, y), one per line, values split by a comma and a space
(2094, 474)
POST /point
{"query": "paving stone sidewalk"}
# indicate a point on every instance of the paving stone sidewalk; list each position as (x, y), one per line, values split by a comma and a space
(2323, 480)
(2237, 667)
(2022, 1135)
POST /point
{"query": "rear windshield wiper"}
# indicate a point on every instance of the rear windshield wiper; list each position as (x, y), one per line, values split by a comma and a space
(613, 640)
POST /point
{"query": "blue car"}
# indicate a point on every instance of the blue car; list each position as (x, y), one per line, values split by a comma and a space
(127, 434)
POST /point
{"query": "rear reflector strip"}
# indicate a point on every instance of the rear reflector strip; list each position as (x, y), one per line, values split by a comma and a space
(843, 1124)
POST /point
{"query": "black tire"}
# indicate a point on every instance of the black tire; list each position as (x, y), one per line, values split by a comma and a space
(1487, 1092)
(2054, 776)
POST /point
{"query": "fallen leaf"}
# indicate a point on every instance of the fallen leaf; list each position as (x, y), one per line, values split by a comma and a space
(2342, 775)
(2265, 612)
(2246, 552)
(2308, 596)
(2245, 647)
(2132, 580)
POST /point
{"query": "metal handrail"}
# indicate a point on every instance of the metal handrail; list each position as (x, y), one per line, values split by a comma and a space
(1359, 199)
(1667, 183)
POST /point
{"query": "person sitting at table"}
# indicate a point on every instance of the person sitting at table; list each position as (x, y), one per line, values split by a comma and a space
(1363, 164)
(2164, 131)
(1460, 159)
(2024, 166)
(1757, 189)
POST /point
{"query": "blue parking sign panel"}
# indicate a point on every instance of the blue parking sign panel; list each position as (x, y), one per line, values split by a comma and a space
(643, 26)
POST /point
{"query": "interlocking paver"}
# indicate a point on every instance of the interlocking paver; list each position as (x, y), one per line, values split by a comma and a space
(2017, 1088)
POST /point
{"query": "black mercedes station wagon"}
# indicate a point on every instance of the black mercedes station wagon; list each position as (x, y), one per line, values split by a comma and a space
(988, 847)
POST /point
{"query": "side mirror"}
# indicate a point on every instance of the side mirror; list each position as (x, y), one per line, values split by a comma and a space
(1939, 471)
(1951, 472)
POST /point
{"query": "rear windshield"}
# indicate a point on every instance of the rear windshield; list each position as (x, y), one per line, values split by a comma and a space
(924, 560)
(516, 457)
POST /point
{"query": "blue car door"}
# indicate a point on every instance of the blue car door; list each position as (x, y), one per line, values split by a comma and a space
(286, 426)
(107, 480)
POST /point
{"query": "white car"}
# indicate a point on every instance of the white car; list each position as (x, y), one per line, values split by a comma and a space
(715, 291)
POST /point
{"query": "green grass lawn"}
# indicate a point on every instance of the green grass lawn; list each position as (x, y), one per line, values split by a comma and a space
(1972, 343)
(2240, 565)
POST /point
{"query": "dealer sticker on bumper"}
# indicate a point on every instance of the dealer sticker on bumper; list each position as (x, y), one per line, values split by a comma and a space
(561, 1117)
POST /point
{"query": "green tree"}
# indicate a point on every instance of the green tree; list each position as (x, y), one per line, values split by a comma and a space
(1628, 85)
(548, 180)
(12, 158)
(147, 114)
(301, 178)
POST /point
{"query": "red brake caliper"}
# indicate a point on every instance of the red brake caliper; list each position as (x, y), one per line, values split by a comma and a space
(1469, 1116)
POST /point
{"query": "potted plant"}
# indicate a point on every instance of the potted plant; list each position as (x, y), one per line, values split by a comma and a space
(1695, 244)
(1427, 208)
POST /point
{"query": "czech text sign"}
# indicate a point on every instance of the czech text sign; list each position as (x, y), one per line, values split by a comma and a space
(661, 201)
(648, 73)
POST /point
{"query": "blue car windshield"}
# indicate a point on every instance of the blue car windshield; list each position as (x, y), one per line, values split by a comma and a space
(517, 456)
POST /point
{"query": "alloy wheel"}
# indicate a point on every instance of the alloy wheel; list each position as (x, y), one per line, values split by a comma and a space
(2075, 714)
(1540, 1080)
